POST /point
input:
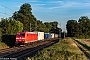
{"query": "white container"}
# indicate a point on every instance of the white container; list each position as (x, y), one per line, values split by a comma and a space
(56, 35)
(52, 35)
(40, 35)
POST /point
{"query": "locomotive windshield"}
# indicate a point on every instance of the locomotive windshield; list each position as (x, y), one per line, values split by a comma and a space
(20, 34)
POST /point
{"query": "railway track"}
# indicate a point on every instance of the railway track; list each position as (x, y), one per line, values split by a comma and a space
(85, 50)
(3, 51)
(21, 52)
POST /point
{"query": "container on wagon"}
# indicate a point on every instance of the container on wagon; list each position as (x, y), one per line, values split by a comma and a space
(56, 35)
(52, 35)
(47, 35)
(40, 35)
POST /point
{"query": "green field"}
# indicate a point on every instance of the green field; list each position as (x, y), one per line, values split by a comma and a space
(66, 49)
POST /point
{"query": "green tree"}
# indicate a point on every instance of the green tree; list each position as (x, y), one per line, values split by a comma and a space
(54, 24)
(4, 25)
(84, 26)
(71, 30)
(41, 26)
(54, 28)
(80, 29)
(14, 26)
(48, 26)
(10, 26)
(25, 16)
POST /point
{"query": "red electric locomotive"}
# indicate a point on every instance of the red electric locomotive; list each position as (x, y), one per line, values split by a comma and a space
(25, 37)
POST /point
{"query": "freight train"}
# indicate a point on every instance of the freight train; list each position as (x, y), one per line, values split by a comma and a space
(27, 37)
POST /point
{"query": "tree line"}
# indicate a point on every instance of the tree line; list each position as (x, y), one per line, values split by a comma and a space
(79, 28)
(24, 20)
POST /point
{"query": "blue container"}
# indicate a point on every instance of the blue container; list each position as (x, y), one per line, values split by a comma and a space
(46, 35)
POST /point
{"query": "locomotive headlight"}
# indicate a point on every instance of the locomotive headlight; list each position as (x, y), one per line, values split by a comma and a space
(23, 38)
(17, 38)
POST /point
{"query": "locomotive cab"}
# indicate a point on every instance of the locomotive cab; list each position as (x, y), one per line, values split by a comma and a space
(20, 38)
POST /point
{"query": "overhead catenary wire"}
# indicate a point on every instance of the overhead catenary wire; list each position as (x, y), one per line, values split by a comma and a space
(6, 7)
(5, 13)
(4, 16)
(5, 10)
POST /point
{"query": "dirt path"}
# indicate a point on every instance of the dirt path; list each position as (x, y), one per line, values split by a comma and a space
(86, 41)
(83, 48)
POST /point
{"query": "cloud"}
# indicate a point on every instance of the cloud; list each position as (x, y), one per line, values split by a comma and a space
(63, 4)
(66, 5)
(38, 5)
(53, 5)
(33, 1)
(55, 2)
(47, 4)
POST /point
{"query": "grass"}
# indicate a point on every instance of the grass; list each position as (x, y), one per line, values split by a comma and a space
(66, 49)
(3, 45)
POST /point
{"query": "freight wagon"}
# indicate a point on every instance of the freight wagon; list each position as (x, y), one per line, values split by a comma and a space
(56, 35)
(52, 35)
(47, 35)
(26, 37)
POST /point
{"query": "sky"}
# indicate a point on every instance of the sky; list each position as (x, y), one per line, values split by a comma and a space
(49, 10)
